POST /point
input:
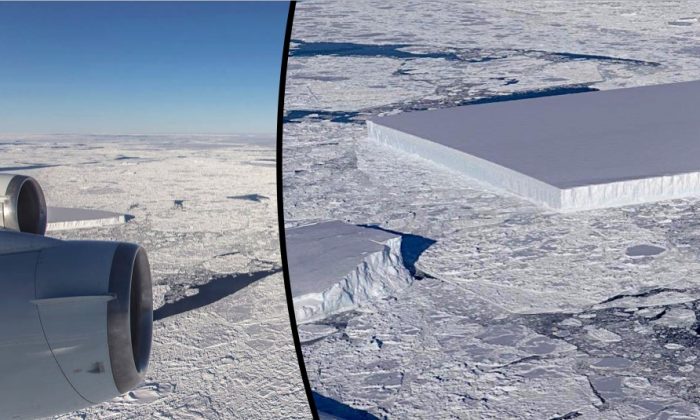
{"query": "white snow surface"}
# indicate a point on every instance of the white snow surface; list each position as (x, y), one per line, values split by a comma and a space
(222, 345)
(524, 313)
(66, 218)
(314, 259)
(567, 152)
(320, 253)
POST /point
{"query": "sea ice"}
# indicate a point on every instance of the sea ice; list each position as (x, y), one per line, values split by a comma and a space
(497, 260)
(222, 344)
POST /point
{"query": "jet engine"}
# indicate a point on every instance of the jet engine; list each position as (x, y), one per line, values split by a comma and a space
(75, 316)
(22, 206)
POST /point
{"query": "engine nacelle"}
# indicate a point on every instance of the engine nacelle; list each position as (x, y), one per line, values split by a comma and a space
(22, 204)
(75, 316)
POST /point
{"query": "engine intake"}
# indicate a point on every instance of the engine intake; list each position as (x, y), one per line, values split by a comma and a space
(23, 207)
(130, 315)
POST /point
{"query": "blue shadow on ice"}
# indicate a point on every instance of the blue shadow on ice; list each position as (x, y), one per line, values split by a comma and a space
(333, 116)
(596, 57)
(249, 197)
(216, 289)
(295, 116)
(350, 49)
(329, 408)
(412, 246)
(528, 94)
(26, 167)
(473, 55)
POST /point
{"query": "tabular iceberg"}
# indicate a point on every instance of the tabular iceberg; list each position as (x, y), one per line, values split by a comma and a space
(570, 152)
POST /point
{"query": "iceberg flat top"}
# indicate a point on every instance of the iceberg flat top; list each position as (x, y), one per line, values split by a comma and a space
(576, 139)
(319, 255)
(65, 214)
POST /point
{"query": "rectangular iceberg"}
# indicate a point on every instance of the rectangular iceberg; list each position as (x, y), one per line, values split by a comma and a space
(569, 152)
(320, 255)
(335, 266)
(64, 218)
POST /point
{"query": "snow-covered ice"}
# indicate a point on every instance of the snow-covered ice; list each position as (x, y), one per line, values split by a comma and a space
(520, 312)
(66, 218)
(566, 152)
(222, 345)
(337, 266)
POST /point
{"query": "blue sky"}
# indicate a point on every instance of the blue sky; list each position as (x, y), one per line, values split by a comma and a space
(124, 68)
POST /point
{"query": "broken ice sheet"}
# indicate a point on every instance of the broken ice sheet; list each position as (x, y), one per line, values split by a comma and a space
(496, 258)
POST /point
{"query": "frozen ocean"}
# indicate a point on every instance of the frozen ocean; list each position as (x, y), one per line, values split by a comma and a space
(514, 311)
